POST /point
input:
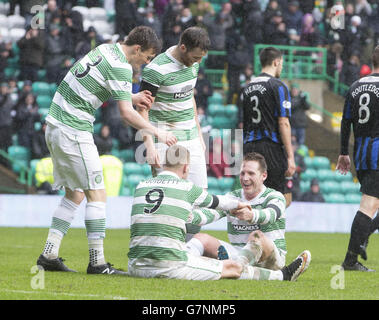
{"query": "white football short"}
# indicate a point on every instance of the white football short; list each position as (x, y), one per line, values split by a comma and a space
(196, 268)
(276, 261)
(76, 161)
(198, 167)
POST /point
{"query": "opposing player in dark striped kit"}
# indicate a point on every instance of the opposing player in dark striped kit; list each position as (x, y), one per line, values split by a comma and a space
(266, 105)
(362, 111)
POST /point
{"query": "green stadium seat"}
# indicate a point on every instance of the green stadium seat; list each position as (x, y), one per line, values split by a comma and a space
(353, 198)
(308, 162)
(212, 183)
(19, 153)
(222, 122)
(225, 184)
(215, 109)
(97, 128)
(14, 140)
(131, 168)
(44, 102)
(126, 191)
(326, 174)
(308, 174)
(335, 198)
(349, 187)
(215, 98)
(32, 165)
(305, 186)
(116, 153)
(231, 111)
(53, 89)
(41, 75)
(303, 150)
(133, 180)
(115, 143)
(10, 72)
(341, 177)
(127, 155)
(41, 88)
(320, 163)
(146, 170)
(328, 187)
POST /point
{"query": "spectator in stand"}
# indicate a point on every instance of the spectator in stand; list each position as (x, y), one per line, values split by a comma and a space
(6, 106)
(172, 37)
(51, 10)
(365, 71)
(293, 16)
(25, 90)
(350, 70)
(237, 55)
(300, 167)
(172, 15)
(217, 27)
(13, 89)
(103, 141)
(314, 194)
(298, 120)
(5, 53)
(275, 32)
(25, 8)
(55, 52)
(126, 137)
(271, 9)
(252, 24)
(217, 164)
(39, 148)
(72, 28)
(334, 60)
(32, 47)
(25, 117)
(91, 40)
(203, 90)
(363, 9)
(201, 8)
(203, 120)
(309, 36)
(110, 116)
(160, 7)
(151, 20)
(127, 16)
(186, 19)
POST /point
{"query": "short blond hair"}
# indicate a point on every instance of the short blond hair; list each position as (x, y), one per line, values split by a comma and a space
(176, 156)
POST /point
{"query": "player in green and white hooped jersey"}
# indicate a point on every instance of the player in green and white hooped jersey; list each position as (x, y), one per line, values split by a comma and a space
(171, 77)
(162, 206)
(263, 225)
(104, 72)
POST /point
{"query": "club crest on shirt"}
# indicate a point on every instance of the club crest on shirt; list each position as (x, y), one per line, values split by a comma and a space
(286, 104)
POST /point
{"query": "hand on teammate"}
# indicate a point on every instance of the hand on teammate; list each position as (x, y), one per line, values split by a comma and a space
(243, 212)
(143, 99)
(152, 158)
(343, 164)
(167, 137)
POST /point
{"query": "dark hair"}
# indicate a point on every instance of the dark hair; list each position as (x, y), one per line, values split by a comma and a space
(255, 156)
(195, 37)
(268, 55)
(375, 57)
(145, 37)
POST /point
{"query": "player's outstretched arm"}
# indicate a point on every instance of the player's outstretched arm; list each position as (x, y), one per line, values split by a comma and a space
(205, 216)
(132, 117)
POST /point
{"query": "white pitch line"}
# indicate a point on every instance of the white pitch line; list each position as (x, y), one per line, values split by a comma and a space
(66, 294)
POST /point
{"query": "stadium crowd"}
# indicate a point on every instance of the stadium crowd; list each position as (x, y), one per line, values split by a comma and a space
(234, 27)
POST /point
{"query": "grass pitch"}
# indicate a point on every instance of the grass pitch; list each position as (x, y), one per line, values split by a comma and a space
(20, 248)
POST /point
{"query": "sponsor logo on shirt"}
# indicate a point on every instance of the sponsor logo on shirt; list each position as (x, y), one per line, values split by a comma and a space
(244, 227)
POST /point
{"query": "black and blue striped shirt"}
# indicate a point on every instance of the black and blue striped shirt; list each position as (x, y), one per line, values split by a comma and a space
(264, 100)
(361, 110)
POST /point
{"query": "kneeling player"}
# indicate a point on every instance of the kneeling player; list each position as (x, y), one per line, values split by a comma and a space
(162, 206)
(263, 224)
